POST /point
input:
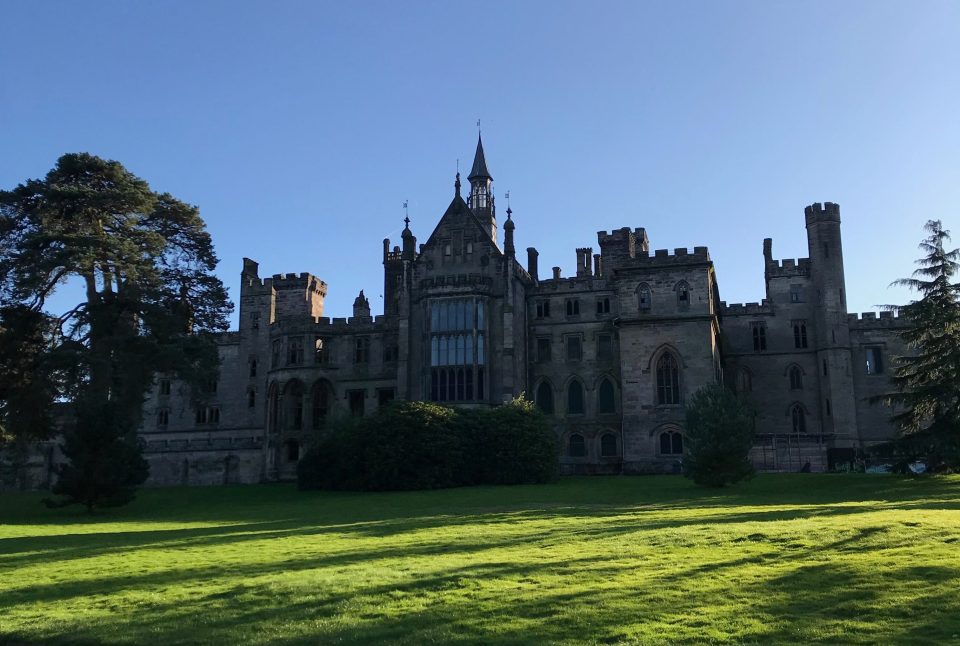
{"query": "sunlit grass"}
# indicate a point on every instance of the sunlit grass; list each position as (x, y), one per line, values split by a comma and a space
(783, 559)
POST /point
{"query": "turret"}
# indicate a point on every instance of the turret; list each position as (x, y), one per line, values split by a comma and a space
(361, 306)
(481, 192)
(830, 315)
(409, 241)
(508, 228)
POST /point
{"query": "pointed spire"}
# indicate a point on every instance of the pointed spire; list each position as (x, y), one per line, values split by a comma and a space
(479, 169)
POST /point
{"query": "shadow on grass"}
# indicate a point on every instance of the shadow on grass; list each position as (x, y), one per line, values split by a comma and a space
(810, 602)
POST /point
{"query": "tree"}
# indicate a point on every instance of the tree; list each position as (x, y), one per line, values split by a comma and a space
(148, 303)
(719, 436)
(927, 380)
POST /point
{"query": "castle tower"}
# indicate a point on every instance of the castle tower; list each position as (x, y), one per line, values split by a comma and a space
(481, 192)
(832, 330)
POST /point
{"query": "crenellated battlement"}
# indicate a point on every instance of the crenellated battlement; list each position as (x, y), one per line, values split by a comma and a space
(304, 280)
(680, 255)
(327, 325)
(745, 309)
(871, 320)
(788, 267)
(822, 212)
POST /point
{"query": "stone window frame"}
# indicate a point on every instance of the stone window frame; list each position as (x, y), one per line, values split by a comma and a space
(795, 376)
(670, 442)
(600, 355)
(798, 418)
(605, 380)
(644, 298)
(567, 347)
(541, 343)
(878, 353)
(667, 387)
(572, 307)
(164, 387)
(295, 350)
(796, 293)
(603, 305)
(544, 386)
(163, 417)
(683, 292)
(580, 443)
(602, 450)
(799, 327)
(758, 332)
(542, 308)
(361, 350)
(568, 390)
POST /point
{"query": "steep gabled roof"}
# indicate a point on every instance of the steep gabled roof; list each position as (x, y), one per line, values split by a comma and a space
(479, 169)
(458, 207)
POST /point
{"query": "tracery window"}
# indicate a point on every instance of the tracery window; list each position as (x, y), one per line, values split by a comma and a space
(796, 378)
(668, 380)
(295, 351)
(457, 349)
(800, 334)
(798, 419)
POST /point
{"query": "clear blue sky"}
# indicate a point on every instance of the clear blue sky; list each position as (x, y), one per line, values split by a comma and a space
(299, 128)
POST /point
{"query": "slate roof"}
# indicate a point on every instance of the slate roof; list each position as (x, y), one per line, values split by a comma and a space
(479, 169)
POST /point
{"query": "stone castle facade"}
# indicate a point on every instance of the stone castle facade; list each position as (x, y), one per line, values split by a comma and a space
(610, 353)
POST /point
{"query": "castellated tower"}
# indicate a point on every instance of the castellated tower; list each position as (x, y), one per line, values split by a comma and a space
(832, 329)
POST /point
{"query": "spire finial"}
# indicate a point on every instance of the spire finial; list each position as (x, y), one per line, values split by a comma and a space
(406, 214)
(456, 184)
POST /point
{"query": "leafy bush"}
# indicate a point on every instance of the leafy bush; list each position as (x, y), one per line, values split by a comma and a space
(719, 436)
(419, 445)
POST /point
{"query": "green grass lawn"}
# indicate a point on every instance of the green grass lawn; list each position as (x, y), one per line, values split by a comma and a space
(782, 559)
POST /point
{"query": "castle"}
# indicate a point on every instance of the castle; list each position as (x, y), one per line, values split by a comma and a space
(610, 354)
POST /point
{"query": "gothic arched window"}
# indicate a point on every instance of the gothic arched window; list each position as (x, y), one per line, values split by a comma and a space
(545, 397)
(798, 419)
(608, 445)
(796, 378)
(575, 398)
(576, 446)
(668, 380)
(606, 398)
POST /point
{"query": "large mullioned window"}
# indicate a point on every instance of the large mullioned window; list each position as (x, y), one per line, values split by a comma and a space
(457, 349)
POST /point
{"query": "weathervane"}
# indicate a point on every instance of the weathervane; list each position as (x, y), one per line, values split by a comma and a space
(406, 213)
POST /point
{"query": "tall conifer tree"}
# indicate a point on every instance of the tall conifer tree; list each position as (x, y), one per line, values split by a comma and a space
(927, 400)
(146, 303)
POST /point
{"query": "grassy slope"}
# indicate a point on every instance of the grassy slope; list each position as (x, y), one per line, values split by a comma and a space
(782, 559)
